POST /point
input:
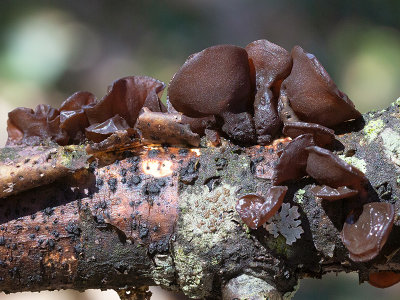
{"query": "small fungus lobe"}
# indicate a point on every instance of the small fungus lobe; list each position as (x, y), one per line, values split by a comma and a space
(255, 210)
(328, 169)
(364, 237)
(332, 194)
(293, 160)
(323, 136)
(383, 279)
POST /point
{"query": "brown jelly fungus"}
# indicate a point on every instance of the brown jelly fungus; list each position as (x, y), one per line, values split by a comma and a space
(293, 160)
(313, 95)
(271, 64)
(216, 81)
(332, 194)
(99, 132)
(255, 210)
(27, 126)
(365, 236)
(383, 279)
(330, 170)
(323, 136)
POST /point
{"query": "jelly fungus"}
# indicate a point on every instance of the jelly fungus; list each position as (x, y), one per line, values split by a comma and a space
(293, 160)
(383, 279)
(332, 194)
(323, 136)
(255, 210)
(313, 95)
(364, 237)
(330, 170)
(270, 65)
(30, 127)
(216, 81)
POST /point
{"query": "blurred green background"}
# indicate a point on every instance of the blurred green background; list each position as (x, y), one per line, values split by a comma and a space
(50, 49)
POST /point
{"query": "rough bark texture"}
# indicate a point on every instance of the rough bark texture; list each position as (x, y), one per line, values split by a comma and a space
(166, 216)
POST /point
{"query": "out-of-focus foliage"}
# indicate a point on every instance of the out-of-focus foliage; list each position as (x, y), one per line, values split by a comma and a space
(50, 49)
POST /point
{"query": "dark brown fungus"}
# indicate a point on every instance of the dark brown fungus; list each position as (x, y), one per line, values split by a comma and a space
(160, 128)
(31, 127)
(383, 279)
(216, 81)
(330, 170)
(313, 95)
(255, 210)
(323, 136)
(126, 97)
(72, 115)
(332, 194)
(364, 237)
(99, 132)
(271, 65)
(293, 160)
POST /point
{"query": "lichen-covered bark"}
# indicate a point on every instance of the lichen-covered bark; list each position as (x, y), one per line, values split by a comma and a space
(166, 216)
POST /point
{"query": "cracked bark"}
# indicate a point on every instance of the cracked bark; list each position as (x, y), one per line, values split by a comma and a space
(165, 216)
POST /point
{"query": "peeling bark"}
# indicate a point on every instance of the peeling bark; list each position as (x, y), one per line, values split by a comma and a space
(166, 216)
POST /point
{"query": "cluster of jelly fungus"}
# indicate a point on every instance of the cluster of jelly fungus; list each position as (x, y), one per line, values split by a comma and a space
(383, 279)
(255, 210)
(330, 170)
(27, 126)
(269, 65)
(313, 95)
(81, 117)
(293, 160)
(365, 236)
(216, 81)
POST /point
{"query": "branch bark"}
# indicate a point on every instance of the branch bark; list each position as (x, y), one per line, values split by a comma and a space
(166, 216)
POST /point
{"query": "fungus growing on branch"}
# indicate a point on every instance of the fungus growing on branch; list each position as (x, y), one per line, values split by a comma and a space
(332, 194)
(255, 210)
(366, 235)
(322, 135)
(383, 279)
(313, 95)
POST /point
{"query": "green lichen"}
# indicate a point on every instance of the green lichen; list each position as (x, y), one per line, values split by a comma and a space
(73, 157)
(397, 102)
(300, 196)
(205, 223)
(356, 162)
(163, 271)
(279, 246)
(373, 128)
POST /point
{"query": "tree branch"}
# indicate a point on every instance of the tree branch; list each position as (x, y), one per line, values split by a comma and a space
(166, 216)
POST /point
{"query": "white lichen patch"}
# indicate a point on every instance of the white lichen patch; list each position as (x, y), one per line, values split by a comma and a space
(205, 222)
(391, 144)
(373, 128)
(286, 223)
(355, 162)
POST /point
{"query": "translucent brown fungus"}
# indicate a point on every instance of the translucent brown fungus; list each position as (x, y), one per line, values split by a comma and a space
(99, 132)
(330, 170)
(162, 128)
(255, 210)
(323, 136)
(72, 115)
(313, 95)
(293, 160)
(332, 194)
(31, 127)
(271, 65)
(125, 98)
(383, 279)
(216, 81)
(364, 237)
